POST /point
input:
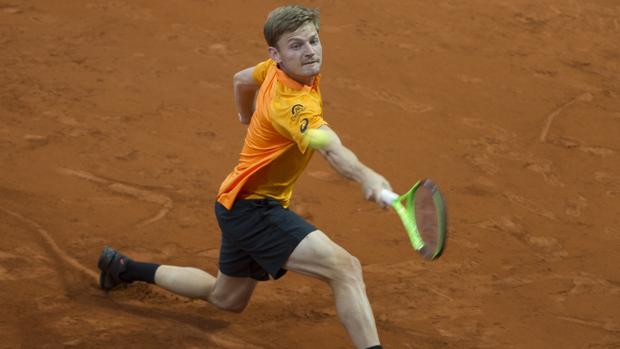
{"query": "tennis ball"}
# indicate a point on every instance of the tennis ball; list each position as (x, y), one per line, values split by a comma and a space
(318, 138)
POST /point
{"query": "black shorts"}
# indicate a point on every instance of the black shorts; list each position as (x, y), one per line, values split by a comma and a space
(258, 236)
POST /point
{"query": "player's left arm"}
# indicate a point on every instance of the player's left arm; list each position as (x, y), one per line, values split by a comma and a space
(343, 160)
(244, 93)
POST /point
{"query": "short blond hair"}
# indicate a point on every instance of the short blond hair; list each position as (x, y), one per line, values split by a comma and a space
(287, 19)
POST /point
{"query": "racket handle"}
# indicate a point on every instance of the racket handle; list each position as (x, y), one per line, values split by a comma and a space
(387, 197)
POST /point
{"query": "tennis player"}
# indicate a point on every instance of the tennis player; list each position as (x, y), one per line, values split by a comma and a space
(261, 238)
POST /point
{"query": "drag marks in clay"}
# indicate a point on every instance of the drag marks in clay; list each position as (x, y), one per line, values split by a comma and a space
(124, 189)
(585, 97)
(53, 248)
(141, 302)
(572, 143)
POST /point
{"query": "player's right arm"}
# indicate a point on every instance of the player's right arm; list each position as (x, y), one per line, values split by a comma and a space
(245, 87)
(343, 160)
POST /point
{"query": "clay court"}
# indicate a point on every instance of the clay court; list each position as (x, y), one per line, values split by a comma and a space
(117, 126)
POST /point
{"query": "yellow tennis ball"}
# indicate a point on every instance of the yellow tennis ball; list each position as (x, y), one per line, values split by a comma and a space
(318, 138)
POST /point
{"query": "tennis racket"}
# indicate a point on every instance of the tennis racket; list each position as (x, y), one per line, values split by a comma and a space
(423, 213)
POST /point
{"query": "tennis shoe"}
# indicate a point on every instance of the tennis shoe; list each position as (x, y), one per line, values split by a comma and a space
(112, 264)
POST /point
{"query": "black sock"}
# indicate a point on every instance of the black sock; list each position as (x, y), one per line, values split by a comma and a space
(138, 271)
(376, 347)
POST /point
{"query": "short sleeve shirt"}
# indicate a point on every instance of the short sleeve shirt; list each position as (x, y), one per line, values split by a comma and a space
(275, 151)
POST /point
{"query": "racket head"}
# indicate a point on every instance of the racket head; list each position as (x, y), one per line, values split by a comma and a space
(425, 208)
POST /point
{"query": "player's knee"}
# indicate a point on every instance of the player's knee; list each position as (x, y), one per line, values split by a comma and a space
(348, 269)
(355, 270)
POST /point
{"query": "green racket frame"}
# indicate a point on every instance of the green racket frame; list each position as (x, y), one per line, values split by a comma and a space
(409, 220)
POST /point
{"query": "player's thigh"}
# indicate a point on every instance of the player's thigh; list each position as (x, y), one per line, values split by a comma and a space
(232, 290)
(317, 255)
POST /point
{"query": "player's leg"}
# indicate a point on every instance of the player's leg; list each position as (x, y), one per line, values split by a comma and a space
(320, 257)
(225, 292)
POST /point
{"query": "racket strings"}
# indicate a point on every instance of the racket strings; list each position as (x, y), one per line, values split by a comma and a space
(428, 217)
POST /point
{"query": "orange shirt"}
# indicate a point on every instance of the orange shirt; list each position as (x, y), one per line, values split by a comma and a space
(275, 151)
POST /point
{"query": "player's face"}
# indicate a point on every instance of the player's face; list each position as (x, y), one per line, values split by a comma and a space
(299, 53)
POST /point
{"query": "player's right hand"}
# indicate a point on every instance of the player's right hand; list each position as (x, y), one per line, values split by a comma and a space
(372, 186)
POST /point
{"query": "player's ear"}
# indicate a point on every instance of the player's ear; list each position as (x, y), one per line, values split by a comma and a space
(274, 54)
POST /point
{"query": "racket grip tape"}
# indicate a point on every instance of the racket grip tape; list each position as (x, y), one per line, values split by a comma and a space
(388, 197)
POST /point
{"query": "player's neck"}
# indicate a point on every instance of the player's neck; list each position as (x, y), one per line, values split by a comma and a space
(307, 81)
(304, 80)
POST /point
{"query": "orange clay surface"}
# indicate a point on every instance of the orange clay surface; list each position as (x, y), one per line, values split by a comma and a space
(117, 126)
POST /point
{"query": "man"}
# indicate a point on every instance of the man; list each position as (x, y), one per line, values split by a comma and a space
(261, 238)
